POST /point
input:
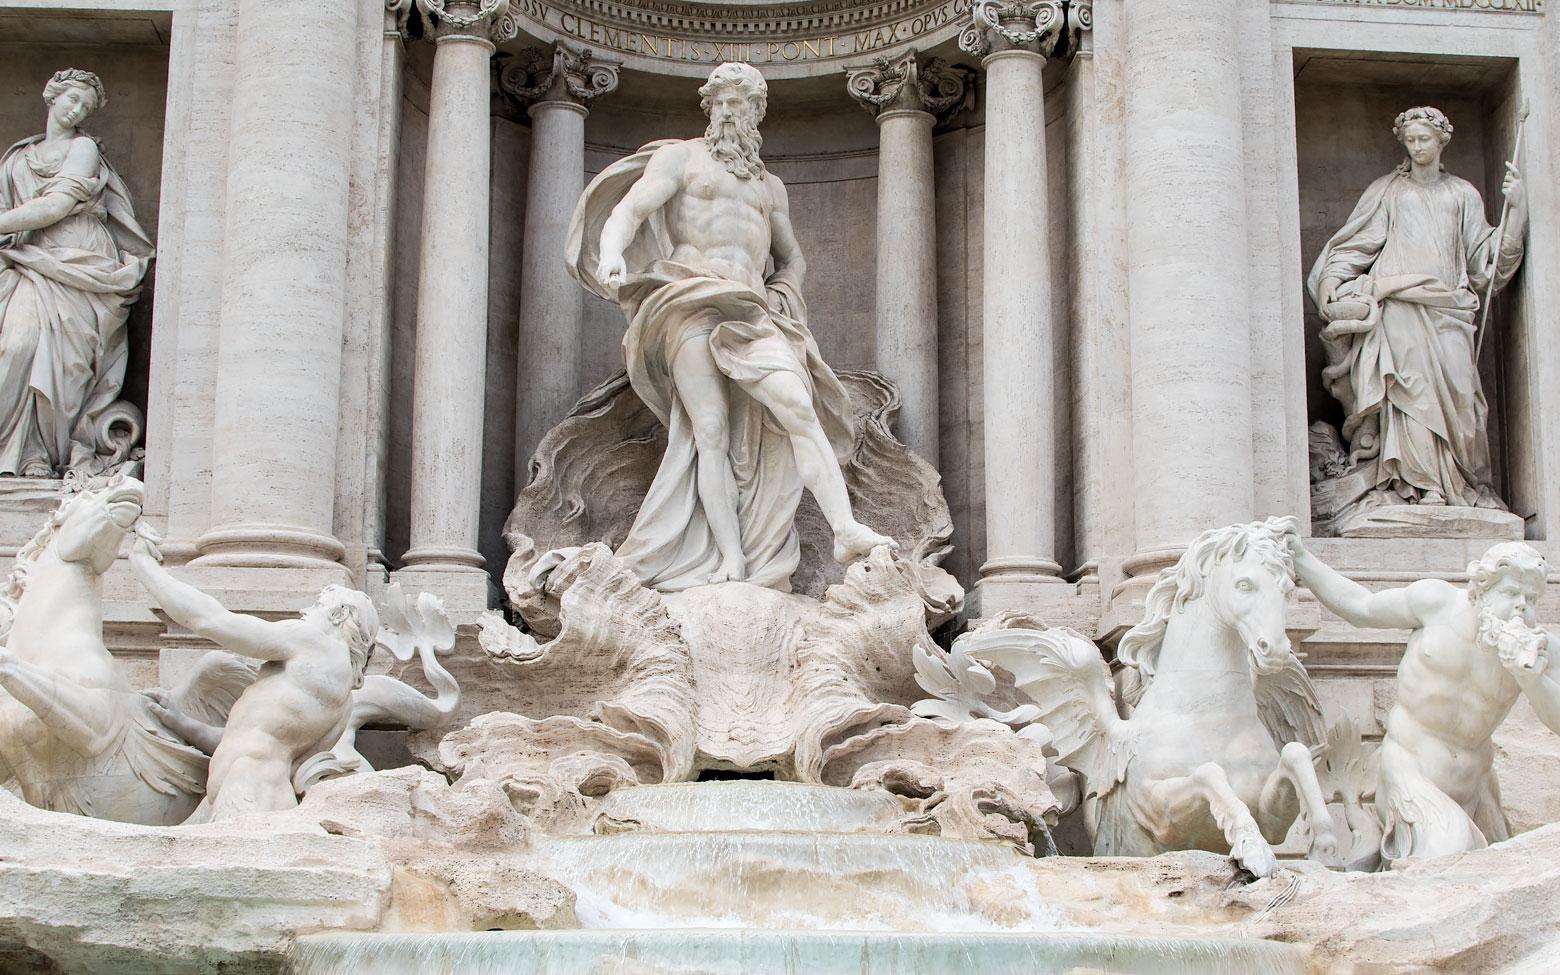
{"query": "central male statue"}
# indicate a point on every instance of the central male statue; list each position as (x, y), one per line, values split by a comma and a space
(682, 234)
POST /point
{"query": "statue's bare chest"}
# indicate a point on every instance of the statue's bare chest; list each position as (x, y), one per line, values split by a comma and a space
(708, 182)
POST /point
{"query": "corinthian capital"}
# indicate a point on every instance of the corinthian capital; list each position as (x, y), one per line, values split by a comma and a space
(561, 74)
(1046, 27)
(490, 20)
(905, 83)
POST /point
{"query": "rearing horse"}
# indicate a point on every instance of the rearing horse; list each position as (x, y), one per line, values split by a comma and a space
(1217, 752)
(73, 734)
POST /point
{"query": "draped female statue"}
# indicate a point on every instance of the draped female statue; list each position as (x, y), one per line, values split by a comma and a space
(72, 258)
(1399, 288)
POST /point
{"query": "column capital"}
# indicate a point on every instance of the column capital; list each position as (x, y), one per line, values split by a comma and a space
(1044, 27)
(564, 74)
(908, 83)
(490, 21)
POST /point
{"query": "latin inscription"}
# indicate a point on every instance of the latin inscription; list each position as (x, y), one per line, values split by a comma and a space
(821, 48)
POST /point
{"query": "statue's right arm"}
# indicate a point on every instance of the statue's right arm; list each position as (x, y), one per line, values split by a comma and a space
(1399, 609)
(248, 636)
(50, 208)
(662, 178)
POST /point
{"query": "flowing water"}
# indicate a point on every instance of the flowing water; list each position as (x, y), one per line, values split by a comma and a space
(775, 878)
(693, 952)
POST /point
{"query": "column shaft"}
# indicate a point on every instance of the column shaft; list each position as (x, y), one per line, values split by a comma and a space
(1018, 332)
(452, 292)
(907, 273)
(551, 302)
(1187, 253)
(283, 286)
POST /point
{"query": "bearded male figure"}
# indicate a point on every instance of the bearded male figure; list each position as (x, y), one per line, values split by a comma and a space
(680, 234)
(1399, 287)
(1470, 654)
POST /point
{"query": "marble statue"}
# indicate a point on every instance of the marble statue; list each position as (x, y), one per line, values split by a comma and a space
(1471, 653)
(74, 735)
(1217, 750)
(72, 259)
(301, 697)
(1398, 287)
(679, 234)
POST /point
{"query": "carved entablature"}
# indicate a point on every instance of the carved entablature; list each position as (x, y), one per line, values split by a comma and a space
(909, 83)
(783, 39)
(1049, 28)
(563, 73)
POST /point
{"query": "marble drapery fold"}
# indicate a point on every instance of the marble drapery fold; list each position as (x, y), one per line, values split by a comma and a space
(750, 335)
(1409, 384)
(65, 295)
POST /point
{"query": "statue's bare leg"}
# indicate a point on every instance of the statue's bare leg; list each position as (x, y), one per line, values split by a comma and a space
(787, 398)
(1208, 787)
(701, 387)
(1293, 788)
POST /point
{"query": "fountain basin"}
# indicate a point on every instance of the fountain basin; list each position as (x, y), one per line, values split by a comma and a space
(695, 952)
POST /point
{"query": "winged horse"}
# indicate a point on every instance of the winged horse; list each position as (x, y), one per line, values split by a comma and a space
(1218, 748)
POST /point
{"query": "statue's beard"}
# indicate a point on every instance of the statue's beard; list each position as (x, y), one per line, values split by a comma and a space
(1495, 633)
(734, 142)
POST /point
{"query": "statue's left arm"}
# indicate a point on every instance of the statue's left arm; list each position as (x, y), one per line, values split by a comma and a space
(49, 209)
(1481, 236)
(783, 246)
(1539, 684)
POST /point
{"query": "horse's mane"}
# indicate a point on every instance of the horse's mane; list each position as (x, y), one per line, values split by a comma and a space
(1138, 652)
(16, 584)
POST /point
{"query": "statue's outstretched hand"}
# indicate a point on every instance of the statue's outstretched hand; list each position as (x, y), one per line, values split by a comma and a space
(147, 542)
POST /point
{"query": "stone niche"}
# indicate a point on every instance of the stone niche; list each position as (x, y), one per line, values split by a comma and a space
(1345, 103)
(129, 52)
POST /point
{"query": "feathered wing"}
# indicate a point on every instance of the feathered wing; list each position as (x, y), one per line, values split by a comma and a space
(1064, 675)
(208, 692)
(1287, 705)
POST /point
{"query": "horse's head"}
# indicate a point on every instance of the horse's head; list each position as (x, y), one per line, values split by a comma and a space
(1241, 575)
(89, 525)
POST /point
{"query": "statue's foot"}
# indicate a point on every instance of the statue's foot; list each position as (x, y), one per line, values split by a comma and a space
(1489, 500)
(855, 540)
(1433, 498)
(37, 469)
(731, 570)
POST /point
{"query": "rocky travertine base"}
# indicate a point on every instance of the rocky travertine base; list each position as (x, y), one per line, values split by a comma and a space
(403, 852)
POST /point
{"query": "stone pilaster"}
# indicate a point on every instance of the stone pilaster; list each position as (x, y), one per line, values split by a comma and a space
(284, 288)
(1014, 39)
(556, 86)
(906, 97)
(451, 360)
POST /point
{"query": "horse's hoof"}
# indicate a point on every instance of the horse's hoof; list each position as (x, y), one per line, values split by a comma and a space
(1255, 857)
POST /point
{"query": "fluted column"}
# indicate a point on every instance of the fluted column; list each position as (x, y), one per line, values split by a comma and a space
(1186, 278)
(1019, 328)
(284, 285)
(557, 86)
(451, 361)
(906, 99)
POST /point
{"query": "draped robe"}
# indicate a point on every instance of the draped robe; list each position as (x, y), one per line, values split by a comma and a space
(1409, 385)
(750, 335)
(65, 294)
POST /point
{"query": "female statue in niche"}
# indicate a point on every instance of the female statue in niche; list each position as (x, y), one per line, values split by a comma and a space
(72, 258)
(1399, 288)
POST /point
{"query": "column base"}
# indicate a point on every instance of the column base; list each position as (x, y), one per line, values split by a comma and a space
(265, 546)
(467, 591)
(1033, 586)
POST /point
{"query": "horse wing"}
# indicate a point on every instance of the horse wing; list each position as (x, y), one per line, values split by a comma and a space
(1287, 704)
(1064, 675)
(212, 686)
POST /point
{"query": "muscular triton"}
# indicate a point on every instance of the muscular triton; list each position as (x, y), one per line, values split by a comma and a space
(680, 234)
(297, 705)
(1471, 653)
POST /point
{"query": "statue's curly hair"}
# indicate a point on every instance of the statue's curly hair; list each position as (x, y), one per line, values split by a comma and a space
(1517, 558)
(1425, 115)
(75, 76)
(744, 78)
